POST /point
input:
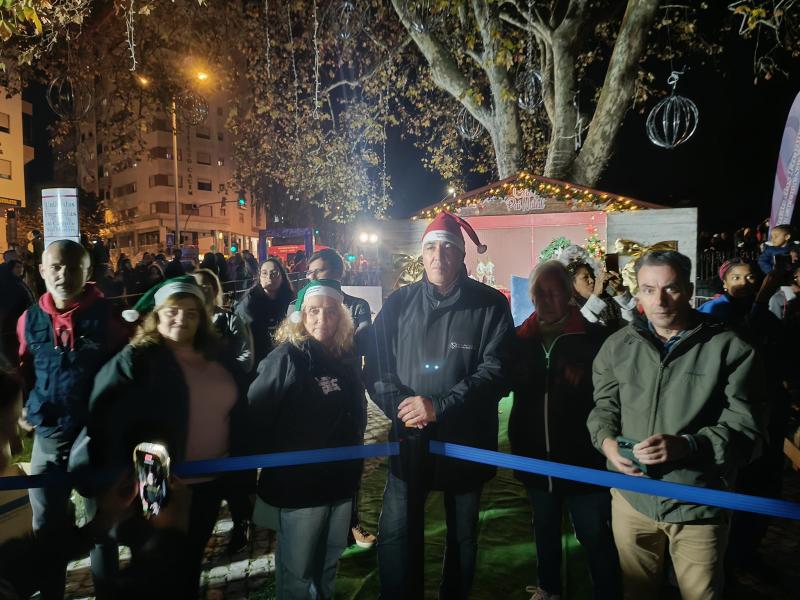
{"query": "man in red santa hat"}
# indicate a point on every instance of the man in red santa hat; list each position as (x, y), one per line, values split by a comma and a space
(440, 362)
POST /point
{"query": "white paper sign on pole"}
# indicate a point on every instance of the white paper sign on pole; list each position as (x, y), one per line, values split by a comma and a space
(60, 215)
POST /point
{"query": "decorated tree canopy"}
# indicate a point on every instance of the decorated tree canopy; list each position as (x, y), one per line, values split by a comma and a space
(526, 193)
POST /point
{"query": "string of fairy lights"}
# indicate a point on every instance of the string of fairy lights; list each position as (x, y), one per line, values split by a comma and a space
(575, 197)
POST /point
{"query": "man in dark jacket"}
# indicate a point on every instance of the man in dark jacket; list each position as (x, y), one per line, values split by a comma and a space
(63, 342)
(440, 363)
(684, 390)
(15, 298)
(552, 399)
(174, 267)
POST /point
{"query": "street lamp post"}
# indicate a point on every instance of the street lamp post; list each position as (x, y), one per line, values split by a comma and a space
(177, 241)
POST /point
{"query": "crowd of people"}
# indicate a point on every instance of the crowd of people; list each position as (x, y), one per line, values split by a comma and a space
(633, 380)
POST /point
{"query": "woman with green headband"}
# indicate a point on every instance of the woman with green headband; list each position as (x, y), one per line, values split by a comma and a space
(308, 396)
(173, 384)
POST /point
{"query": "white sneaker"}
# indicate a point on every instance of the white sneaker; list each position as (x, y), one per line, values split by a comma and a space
(540, 594)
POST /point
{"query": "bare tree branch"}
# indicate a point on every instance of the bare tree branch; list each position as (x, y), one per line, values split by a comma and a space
(369, 74)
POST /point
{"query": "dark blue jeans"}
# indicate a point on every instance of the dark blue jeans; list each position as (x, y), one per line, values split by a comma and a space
(461, 547)
(52, 518)
(591, 518)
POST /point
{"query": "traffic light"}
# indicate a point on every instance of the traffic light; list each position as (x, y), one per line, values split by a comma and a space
(242, 199)
(234, 247)
(351, 258)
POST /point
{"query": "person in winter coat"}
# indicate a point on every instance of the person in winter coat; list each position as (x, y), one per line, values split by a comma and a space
(744, 307)
(440, 362)
(238, 341)
(328, 264)
(15, 299)
(263, 307)
(173, 384)
(552, 399)
(308, 395)
(687, 391)
(63, 340)
(781, 240)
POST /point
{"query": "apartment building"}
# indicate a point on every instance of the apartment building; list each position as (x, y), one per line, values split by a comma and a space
(16, 150)
(139, 192)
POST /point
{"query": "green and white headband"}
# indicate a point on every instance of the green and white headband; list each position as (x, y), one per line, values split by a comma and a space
(319, 287)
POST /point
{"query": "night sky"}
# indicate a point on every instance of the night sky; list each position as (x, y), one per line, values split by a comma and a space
(727, 169)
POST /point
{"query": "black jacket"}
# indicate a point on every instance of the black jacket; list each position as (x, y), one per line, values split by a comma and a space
(141, 395)
(305, 399)
(15, 298)
(553, 398)
(263, 315)
(453, 350)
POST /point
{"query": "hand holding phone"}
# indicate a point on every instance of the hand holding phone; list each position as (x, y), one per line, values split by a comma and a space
(625, 448)
(151, 462)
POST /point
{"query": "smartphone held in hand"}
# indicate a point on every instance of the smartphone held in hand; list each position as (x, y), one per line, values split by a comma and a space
(151, 461)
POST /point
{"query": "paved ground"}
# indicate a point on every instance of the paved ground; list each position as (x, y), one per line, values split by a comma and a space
(247, 574)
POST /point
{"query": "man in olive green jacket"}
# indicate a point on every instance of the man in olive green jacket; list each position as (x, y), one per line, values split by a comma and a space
(685, 390)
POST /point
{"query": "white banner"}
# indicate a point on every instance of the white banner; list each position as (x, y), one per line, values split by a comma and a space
(60, 215)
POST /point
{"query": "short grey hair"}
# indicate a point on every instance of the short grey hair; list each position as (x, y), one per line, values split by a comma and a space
(548, 267)
(680, 263)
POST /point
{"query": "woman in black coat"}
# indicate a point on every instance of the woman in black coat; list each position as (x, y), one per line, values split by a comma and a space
(264, 305)
(308, 395)
(173, 385)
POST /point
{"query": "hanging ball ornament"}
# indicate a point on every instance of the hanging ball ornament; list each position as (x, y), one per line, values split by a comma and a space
(529, 86)
(674, 120)
(192, 108)
(468, 126)
(346, 20)
(69, 98)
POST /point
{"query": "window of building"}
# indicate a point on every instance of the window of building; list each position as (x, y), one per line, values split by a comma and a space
(220, 162)
(190, 209)
(163, 152)
(5, 123)
(160, 208)
(130, 213)
(165, 180)
(5, 169)
(204, 185)
(125, 190)
(223, 212)
(204, 133)
(148, 238)
(203, 158)
(220, 136)
(99, 148)
(219, 111)
(221, 187)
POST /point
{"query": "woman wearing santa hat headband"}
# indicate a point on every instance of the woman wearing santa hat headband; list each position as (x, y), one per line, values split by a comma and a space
(308, 395)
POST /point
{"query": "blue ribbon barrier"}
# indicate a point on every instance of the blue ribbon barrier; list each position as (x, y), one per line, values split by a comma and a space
(644, 485)
(219, 465)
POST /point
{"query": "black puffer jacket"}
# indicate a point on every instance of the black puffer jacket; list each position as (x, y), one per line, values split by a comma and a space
(304, 398)
(553, 398)
(262, 315)
(454, 350)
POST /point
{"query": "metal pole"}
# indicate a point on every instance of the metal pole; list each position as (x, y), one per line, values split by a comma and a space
(177, 241)
(416, 448)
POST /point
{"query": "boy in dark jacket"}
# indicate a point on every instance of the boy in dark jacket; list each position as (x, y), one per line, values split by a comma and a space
(440, 363)
(63, 342)
(781, 240)
(552, 400)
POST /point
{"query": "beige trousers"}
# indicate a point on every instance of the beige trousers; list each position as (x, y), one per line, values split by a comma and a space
(697, 552)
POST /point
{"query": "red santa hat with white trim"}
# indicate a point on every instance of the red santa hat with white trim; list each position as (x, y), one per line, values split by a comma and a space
(447, 227)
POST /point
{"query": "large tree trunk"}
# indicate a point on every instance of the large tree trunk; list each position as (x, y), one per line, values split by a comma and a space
(616, 96)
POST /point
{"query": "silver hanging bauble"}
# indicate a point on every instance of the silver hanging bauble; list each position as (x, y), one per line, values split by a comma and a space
(346, 20)
(468, 126)
(192, 108)
(69, 98)
(529, 86)
(674, 120)
(420, 14)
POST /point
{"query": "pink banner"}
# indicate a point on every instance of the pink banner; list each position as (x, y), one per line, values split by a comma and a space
(787, 178)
